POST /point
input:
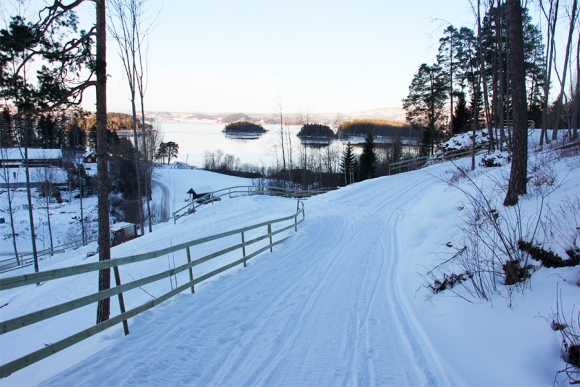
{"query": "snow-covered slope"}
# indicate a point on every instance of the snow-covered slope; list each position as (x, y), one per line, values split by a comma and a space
(338, 303)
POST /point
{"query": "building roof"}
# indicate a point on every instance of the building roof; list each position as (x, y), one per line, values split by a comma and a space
(200, 190)
(119, 225)
(33, 154)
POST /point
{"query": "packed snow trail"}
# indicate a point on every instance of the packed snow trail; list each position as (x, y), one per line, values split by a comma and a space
(165, 195)
(324, 309)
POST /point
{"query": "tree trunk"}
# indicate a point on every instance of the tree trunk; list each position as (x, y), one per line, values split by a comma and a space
(576, 100)
(29, 198)
(147, 164)
(5, 173)
(103, 307)
(451, 130)
(137, 161)
(564, 73)
(12, 218)
(81, 193)
(483, 80)
(518, 174)
(475, 126)
(548, 74)
(500, 69)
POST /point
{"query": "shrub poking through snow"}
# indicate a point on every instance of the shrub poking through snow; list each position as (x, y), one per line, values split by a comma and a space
(449, 281)
(515, 272)
(495, 237)
(495, 159)
(548, 258)
(570, 332)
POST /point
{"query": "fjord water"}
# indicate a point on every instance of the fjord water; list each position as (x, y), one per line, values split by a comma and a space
(198, 137)
(195, 138)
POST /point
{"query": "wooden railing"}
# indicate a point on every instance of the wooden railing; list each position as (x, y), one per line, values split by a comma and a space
(44, 314)
(419, 162)
(246, 191)
(27, 259)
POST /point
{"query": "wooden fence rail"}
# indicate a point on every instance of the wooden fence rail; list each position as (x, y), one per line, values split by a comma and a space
(247, 191)
(419, 162)
(44, 314)
(27, 259)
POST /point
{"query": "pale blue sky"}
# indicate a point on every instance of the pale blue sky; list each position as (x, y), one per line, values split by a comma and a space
(325, 56)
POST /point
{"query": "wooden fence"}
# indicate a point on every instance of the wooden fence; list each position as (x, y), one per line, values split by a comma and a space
(27, 259)
(246, 191)
(44, 314)
(420, 162)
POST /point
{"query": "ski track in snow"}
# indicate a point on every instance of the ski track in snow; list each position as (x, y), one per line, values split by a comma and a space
(312, 313)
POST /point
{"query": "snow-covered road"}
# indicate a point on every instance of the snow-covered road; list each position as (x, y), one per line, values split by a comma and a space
(165, 200)
(324, 309)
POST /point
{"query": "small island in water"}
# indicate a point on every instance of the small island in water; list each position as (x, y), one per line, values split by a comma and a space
(241, 127)
(316, 130)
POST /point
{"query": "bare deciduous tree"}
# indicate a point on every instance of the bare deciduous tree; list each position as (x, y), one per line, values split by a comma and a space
(46, 177)
(5, 176)
(122, 27)
(573, 15)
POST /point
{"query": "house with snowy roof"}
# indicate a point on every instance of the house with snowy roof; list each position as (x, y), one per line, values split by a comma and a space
(90, 157)
(15, 157)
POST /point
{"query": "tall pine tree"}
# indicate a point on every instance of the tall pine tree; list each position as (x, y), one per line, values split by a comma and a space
(425, 104)
(368, 158)
(449, 59)
(348, 164)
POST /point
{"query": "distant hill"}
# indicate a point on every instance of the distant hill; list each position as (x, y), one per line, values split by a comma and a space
(330, 119)
(236, 117)
(115, 122)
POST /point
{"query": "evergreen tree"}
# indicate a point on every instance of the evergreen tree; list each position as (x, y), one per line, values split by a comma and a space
(462, 116)
(496, 52)
(112, 140)
(469, 72)
(46, 131)
(172, 150)
(348, 163)
(161, 152)
(167, 150)
(476, 105)
(368, 158)
(7, 136)
(425, 104)
(75, 137)
(449, 59)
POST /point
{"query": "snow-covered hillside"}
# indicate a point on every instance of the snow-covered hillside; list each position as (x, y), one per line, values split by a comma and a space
(344, 301)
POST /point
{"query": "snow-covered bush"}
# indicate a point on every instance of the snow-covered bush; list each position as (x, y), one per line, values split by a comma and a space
(495, 159)
(464, 140)
(494, 248)
(569, 328)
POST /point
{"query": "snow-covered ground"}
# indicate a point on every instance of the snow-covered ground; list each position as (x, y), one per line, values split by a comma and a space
(65, 217)
(341, 302)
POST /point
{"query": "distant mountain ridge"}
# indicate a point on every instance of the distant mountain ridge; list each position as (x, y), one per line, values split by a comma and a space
(333, 119)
